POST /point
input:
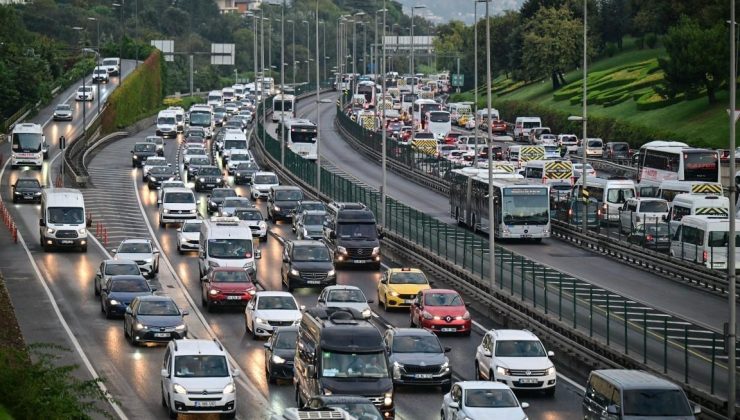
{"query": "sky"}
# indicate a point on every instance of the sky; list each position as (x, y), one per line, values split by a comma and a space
(441, 11)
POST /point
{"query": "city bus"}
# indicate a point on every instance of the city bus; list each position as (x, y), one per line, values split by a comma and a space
(674, 161)
(283, 107)
(300, 135)
(369, 90)
(521, 208)
(439, 123)
(201, 116)
(27, 145)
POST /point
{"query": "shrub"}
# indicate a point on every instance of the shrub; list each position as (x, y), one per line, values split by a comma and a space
(654, 100)
(640, 42)
(651, 40)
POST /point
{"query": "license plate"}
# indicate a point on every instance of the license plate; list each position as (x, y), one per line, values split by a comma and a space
(313, 282)
(66, 242)
(525, 235)
(448, 329)
(408, 301)
(210, 185)
(161, 335)
(233, 298)
(358, 261)
(528, 380)
(424, 375)
(205, 403)
(28, 196)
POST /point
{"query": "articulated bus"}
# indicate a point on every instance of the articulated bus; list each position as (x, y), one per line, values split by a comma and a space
(674, 161)
(283, 107)
(521, 209)
(300, 135)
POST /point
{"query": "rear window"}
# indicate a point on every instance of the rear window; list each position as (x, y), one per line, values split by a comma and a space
(654, 207)
(655, 403)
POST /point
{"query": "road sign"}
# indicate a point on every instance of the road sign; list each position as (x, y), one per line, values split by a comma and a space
(167, 46)
(458, 79)
(222, 54)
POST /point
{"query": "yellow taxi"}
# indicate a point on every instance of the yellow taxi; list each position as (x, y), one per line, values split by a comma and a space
(398, 287)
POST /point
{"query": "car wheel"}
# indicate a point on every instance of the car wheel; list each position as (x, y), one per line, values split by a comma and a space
(161, 224)
(172, 413)
(380, 302)
(179, 250)
(164, 402)
(14, 199)
(550, 392)
(478, 376)
(83, 248)
(107, 312)
(442, 415)
(209, 306)
(411, 323)
(446, 388)
(270, 378)
(254, 332)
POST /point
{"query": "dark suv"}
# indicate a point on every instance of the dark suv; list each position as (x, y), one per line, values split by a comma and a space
(217, 196)
(617, 150)
(307, 264)
(281, 201)
(141, 152)
(208, 178)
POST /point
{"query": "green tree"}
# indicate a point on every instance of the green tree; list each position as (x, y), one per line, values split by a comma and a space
(614, 20)
(551, 44)
(697, 58)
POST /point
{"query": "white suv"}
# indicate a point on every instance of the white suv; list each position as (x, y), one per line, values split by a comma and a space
(261, 184)
(197, 377)
(516, 358)
(141, 251)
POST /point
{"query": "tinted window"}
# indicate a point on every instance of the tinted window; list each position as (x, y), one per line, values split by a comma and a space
(519, 348)
(210, 172)
(134, 248)
(288, 195)
(221, 193)
(276, 303)
(416, 344)
(443, 299)
(654, 207)
(286, 340)
(655, 403)
(408, 277)
(230, 277)
(310, 253)
(191, 227)
(346, 295)
(118, 269)
(65, 215)
(158, 308)
(490, 398)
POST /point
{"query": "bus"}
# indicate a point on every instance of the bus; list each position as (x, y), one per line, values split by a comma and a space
(283, 107)
(439, 123)
(201, 116)
(27, 145)
(421, 110)
(301, 137)
(268, 86)
(369, 90)
(407, 101)
(665, 161)
(521, 209)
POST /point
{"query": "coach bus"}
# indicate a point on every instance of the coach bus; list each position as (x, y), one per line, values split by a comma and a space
(674, 161)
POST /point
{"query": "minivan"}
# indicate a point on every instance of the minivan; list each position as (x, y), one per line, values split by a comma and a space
(703, 240)
(522, 126)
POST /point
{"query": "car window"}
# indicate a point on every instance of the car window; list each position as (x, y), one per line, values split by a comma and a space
(276, 303)
(286, 340)
(443, 299)
(135, 248)
(655, 403)
(158, 308)
(519, 348)
(346, 295)
(201, 366)
(490, 398)
(416, 344)
(230, 277)
(222, 193)
(310, 253)
(191, 227)
(248, 215)
(119, 269)
(654, 207)
(408, 277)
(27, 183)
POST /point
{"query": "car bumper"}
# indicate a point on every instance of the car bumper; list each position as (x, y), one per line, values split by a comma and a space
(208, 185)
(345, 259)
(62, 117)
(454, 327)
(259, 194)
(537, 382)
(433, 379)
(264, 330)
(27, 198)
(242, 179)
(65, 243)
(189, 246)
(157, 336)
(197, 403)
(99, 80)
(282, 214)
(167, 133)
(224, 300)
(21, 161)
(397, 302)
(177, 218)
(147, 270)
(262, 233)
(298, 281)
(281, 370)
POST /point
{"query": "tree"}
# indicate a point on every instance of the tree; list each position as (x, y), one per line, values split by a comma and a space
(614, 20)
(697, 58)
(551, 44)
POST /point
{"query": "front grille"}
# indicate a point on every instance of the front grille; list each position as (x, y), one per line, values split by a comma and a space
(280, 323)
(421, 369)
(406, 297)
(66, 234)
(376, 400)
(524, 372)
(360, 252)
(255, 228)
(204, 399)
(534, 385)
(313, 275)
(205, 392)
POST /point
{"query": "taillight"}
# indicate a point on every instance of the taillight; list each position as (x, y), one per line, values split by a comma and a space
(570, 212)
(649, 237)
(705, 256)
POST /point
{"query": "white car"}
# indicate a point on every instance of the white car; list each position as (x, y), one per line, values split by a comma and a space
(516, 358)
(168, 184)
(141, 251)
(113, 65)
(578, 170)
(85, 93)
(268, 310)
(569, 141)
(261, 183)
(100, 75)
(188, 236)
(198, 368)
(255, 220)
(479, 400)
(150, 163)
(547, 139)
(192, 152)
(341, 296)
(645, 210)
(237, 156)
(62, 112)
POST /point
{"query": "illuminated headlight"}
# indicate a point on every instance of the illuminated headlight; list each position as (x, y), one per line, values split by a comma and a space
(276, 208)
(18, 193)
(388, 400)
(213, 264)
(191, 211)
(305, 232)
(214, 292)
(294, 272)
(202, 179)
(259, 320)
(50, 231)
(342, 250)
(394, 293)
(252, 292)
(180, 327)
(218, 179)
(36, 193)
(179, 389)
(136, 157)
(551, 370)
(445, 366)
(502, 371)
(367, 313)
(376, 250)
(229, 389)
(331, 273)
(148, 260)
(262, 225)
(113, 302)
(166, 211)
(277, 359)
(152, 178)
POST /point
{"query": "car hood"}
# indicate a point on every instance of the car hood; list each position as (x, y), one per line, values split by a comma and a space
(278, 314)
(484, 413)
(62, 111)
(198, 385)
(145, 153)
(190, 235)
(133, 257)
(446, 310)
(524, 363)
(233, 287)
(423, 359)
(287, 354)
(312, 265)
(357, 243)
(160, 321)
(264, 186)
(408, 289)
(126, 297)
(28, 189)
(179, 206)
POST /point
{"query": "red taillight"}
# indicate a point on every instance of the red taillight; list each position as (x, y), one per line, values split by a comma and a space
(705, 256)
(649, 237)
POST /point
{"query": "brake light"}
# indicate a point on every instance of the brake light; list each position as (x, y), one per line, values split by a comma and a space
(649, 237)
(705, 256)
(570, 212)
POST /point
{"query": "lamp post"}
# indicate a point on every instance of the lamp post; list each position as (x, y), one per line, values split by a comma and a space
(84, 88)
(491, 213)
(123, 35)
(384, 153)
(282, 81)
(475, 81)
(731, 263)
(308, 52)
(364, 47)
(412, 68)
(323, 49)
(97, 45)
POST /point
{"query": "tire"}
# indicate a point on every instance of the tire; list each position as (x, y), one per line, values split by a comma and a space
(172, 413)
(106, 311)
(411, 323)
(179, 250)
(380, 303)
(254, 332)
(83, 248)
(446, 388)
(164, 402)
(161, 224)
(14, 199)
(209, 306)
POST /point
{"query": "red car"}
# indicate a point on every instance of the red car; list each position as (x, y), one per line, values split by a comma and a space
(440, 311)
(226, 286)
(498, 127)
(451, 138)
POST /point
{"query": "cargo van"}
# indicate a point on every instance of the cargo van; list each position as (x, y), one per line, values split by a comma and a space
(610, 193)
(697, 205)
(233, 140)
(522, 125)
(703, 240)
(63, 222)
(167, 123)
(352, 234)
(669, 189)
(634, 394)
(227, 242)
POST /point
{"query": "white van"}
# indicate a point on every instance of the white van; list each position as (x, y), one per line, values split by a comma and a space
(611, 194)
(233, 140)
(522, 125)
(228, 94)
(215, 98)
(646, 210)
(704, 240)
(63, 221)
(697, 205)
(167, 124)
(179, 117)
(178, 204)
(227, 242)
(669, 189)
(113, 65)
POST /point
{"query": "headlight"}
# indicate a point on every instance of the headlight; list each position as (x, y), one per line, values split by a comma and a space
(331, 273)
(18, 193)
(218, 179)
(466, 316)
(427, 315)
(180, 327)
(305, 232)
(136, 157)
(213, 292)
(179, 389)
(152, 178)
(367, 313)
(276, 208)
(50, 231)
(140, 326)
(277, 359)
(262, 225)
(502, 371)
(36, 193)
(551, 370)
(445, 365)
(82, 231)
(388, 400)
(149, 260)
(229, 389)
(258, 320)
(113, 302)
(166, 211)
(213, 264)
(376, 250)
(394, 293)
(202, 179)
(294, 272)
(248, 265)
(342, 250)
(252, 292)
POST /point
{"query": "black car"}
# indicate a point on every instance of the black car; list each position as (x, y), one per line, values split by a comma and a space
(160, 173)
(217, 196)
(655, 236)
(154, 319)
(357, 406)
(196, 163)
(279, 354)
(418, 358)
(307, 263)
(141, 152)
(27, 189)
(119, 291)
(109, 268)
(244, 171)
(281, 201)
(209, 177)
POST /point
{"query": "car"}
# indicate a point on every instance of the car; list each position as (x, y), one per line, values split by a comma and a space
(440, 311)
(195, 131)
(575, 212)
(244, 171)
(191, 367)
(85, 93)
(478, 400)
(342, 296)
(150, 163)
(595, 147)
(118, 292)
(231, 108)
(578, 170)
(194, 141)
(547, 138)
(254, 219)
(141, 251)
(178, 205)
(176, 183)
(418, 358)
(398, 287)
(617, 150)
(27, 190)
(236, 122)
(647, 210)
(226, 286)
(261, 183)
(219, 116)
(159, 141)
(310, 224)
(217, 196)
(357, 406)
(267, 311)
(235, 158)
(304, 205)
(100, 75)
(188, 236)
(141, 152)
(655, 236)
(209, 178)
(109, 268)
(231, 204)
(307, 263)
(281, 201)
(112, 65)
(159, 174)
(569, 142)
(154, 319)
(280, 353)
(196, 163)
(517, 359)
(62, 112)
(192, 152)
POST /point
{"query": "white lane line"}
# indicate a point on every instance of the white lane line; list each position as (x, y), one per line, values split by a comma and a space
(58, 312)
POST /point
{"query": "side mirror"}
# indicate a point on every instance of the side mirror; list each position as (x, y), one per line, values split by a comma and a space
(697, 409)
(155, 251)
(384, 281)
(448, 349)
(163, 373)
(454, 405)
(612, 409)
(525, 405)
(132, 152)
(129, 310)
(550, 353)
(185, 312)
(370, 301)
(286, 259)
(302, 308)
(113, 250)
(179, 230)
(169, 164)
(257, 254)
(236, 372)
(42, 222)
(208, 196)
(154, 289)
(268, 346)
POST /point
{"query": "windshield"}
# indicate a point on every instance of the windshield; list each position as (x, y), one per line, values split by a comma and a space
(201, 366)
(408, 277)
(119, 269)
(416, 344)
(620, 147)
(27, 142)
(619, 195)
(244, 166)
(309, 205)
(216, 98)
(443, 299)
(64, 107)
(155, 140)
(519, 348)
(313, 219)
(353, 365)
(363, 411)
(166, 120)
(286, 340)
(200, 119)
(27, 183)
(249, 215)
(277, 303)
(490, 398)
(156, 162)
(230, 248)
(310, 253)
(525, 206)
(237, 203)
(595, 143)
(346, 295)
(654, 207)
(200, 161)
(288, 195)
(235, 144)
(158, 308)
(222, 193)
(110, 62)
(135, 248)
(230, 277)
(179, 197)
(303, 136)
(279, 105)
(655, 403)
(265, 179)
(357, 231)
(132, 285)
(191, 227)
(65, 215)
(212, 171)
(721, 239)
(160, 170)
(440, 117)
(658, 229)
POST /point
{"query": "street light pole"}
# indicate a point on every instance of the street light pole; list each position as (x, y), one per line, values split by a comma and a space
(98, 55)
(731, 263)
(584, 142)
(413, 74)
(384, 186)
(491, 214)
(475, 83)
(318, 103)
(282, 82)
(84, 87)
(308, 52)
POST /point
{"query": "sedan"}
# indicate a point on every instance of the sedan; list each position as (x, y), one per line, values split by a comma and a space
(120, 291)
(478, 400)
(418, 358)
(255, 220)
(341, 296)
(158, 174)
(195, 163)
(231, 204)
(27, 189)
(217, 197)
(150, 163)
(440, 310)
(109, 268)
(268, 310)
(243, 172)
(63, 112)
(224, 286)
(188, 236)
(280, 353)
(142, 252)
(154, 319)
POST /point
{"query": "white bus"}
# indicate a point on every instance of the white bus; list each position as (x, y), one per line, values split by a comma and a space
(704, 240)
(215, 98)
(300, 135)
(201, 117)
(228, 94)
(283, 107)
(27, 145)
(369, 90)
(439, 123)
(422, 108)
(666, 161)
(609, 193)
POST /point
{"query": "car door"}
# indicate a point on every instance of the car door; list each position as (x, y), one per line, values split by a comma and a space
(456, 395)
(285, 265)
(483, 359)
(321, 300)
(104, 291)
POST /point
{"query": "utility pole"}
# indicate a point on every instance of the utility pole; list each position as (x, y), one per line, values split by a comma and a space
(308, 53)
(491, 199)
(384, 187)
(731, 263)
(318, 103)
(282, 81)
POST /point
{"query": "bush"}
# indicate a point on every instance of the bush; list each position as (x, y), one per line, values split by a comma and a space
(610, 49)
(654, 100)
(651, 40)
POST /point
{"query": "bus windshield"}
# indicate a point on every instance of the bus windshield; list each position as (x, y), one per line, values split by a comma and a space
(439, 117)
(200, 119)
(525, 206)
(282, 105)
(27, 142)
(302, 135)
